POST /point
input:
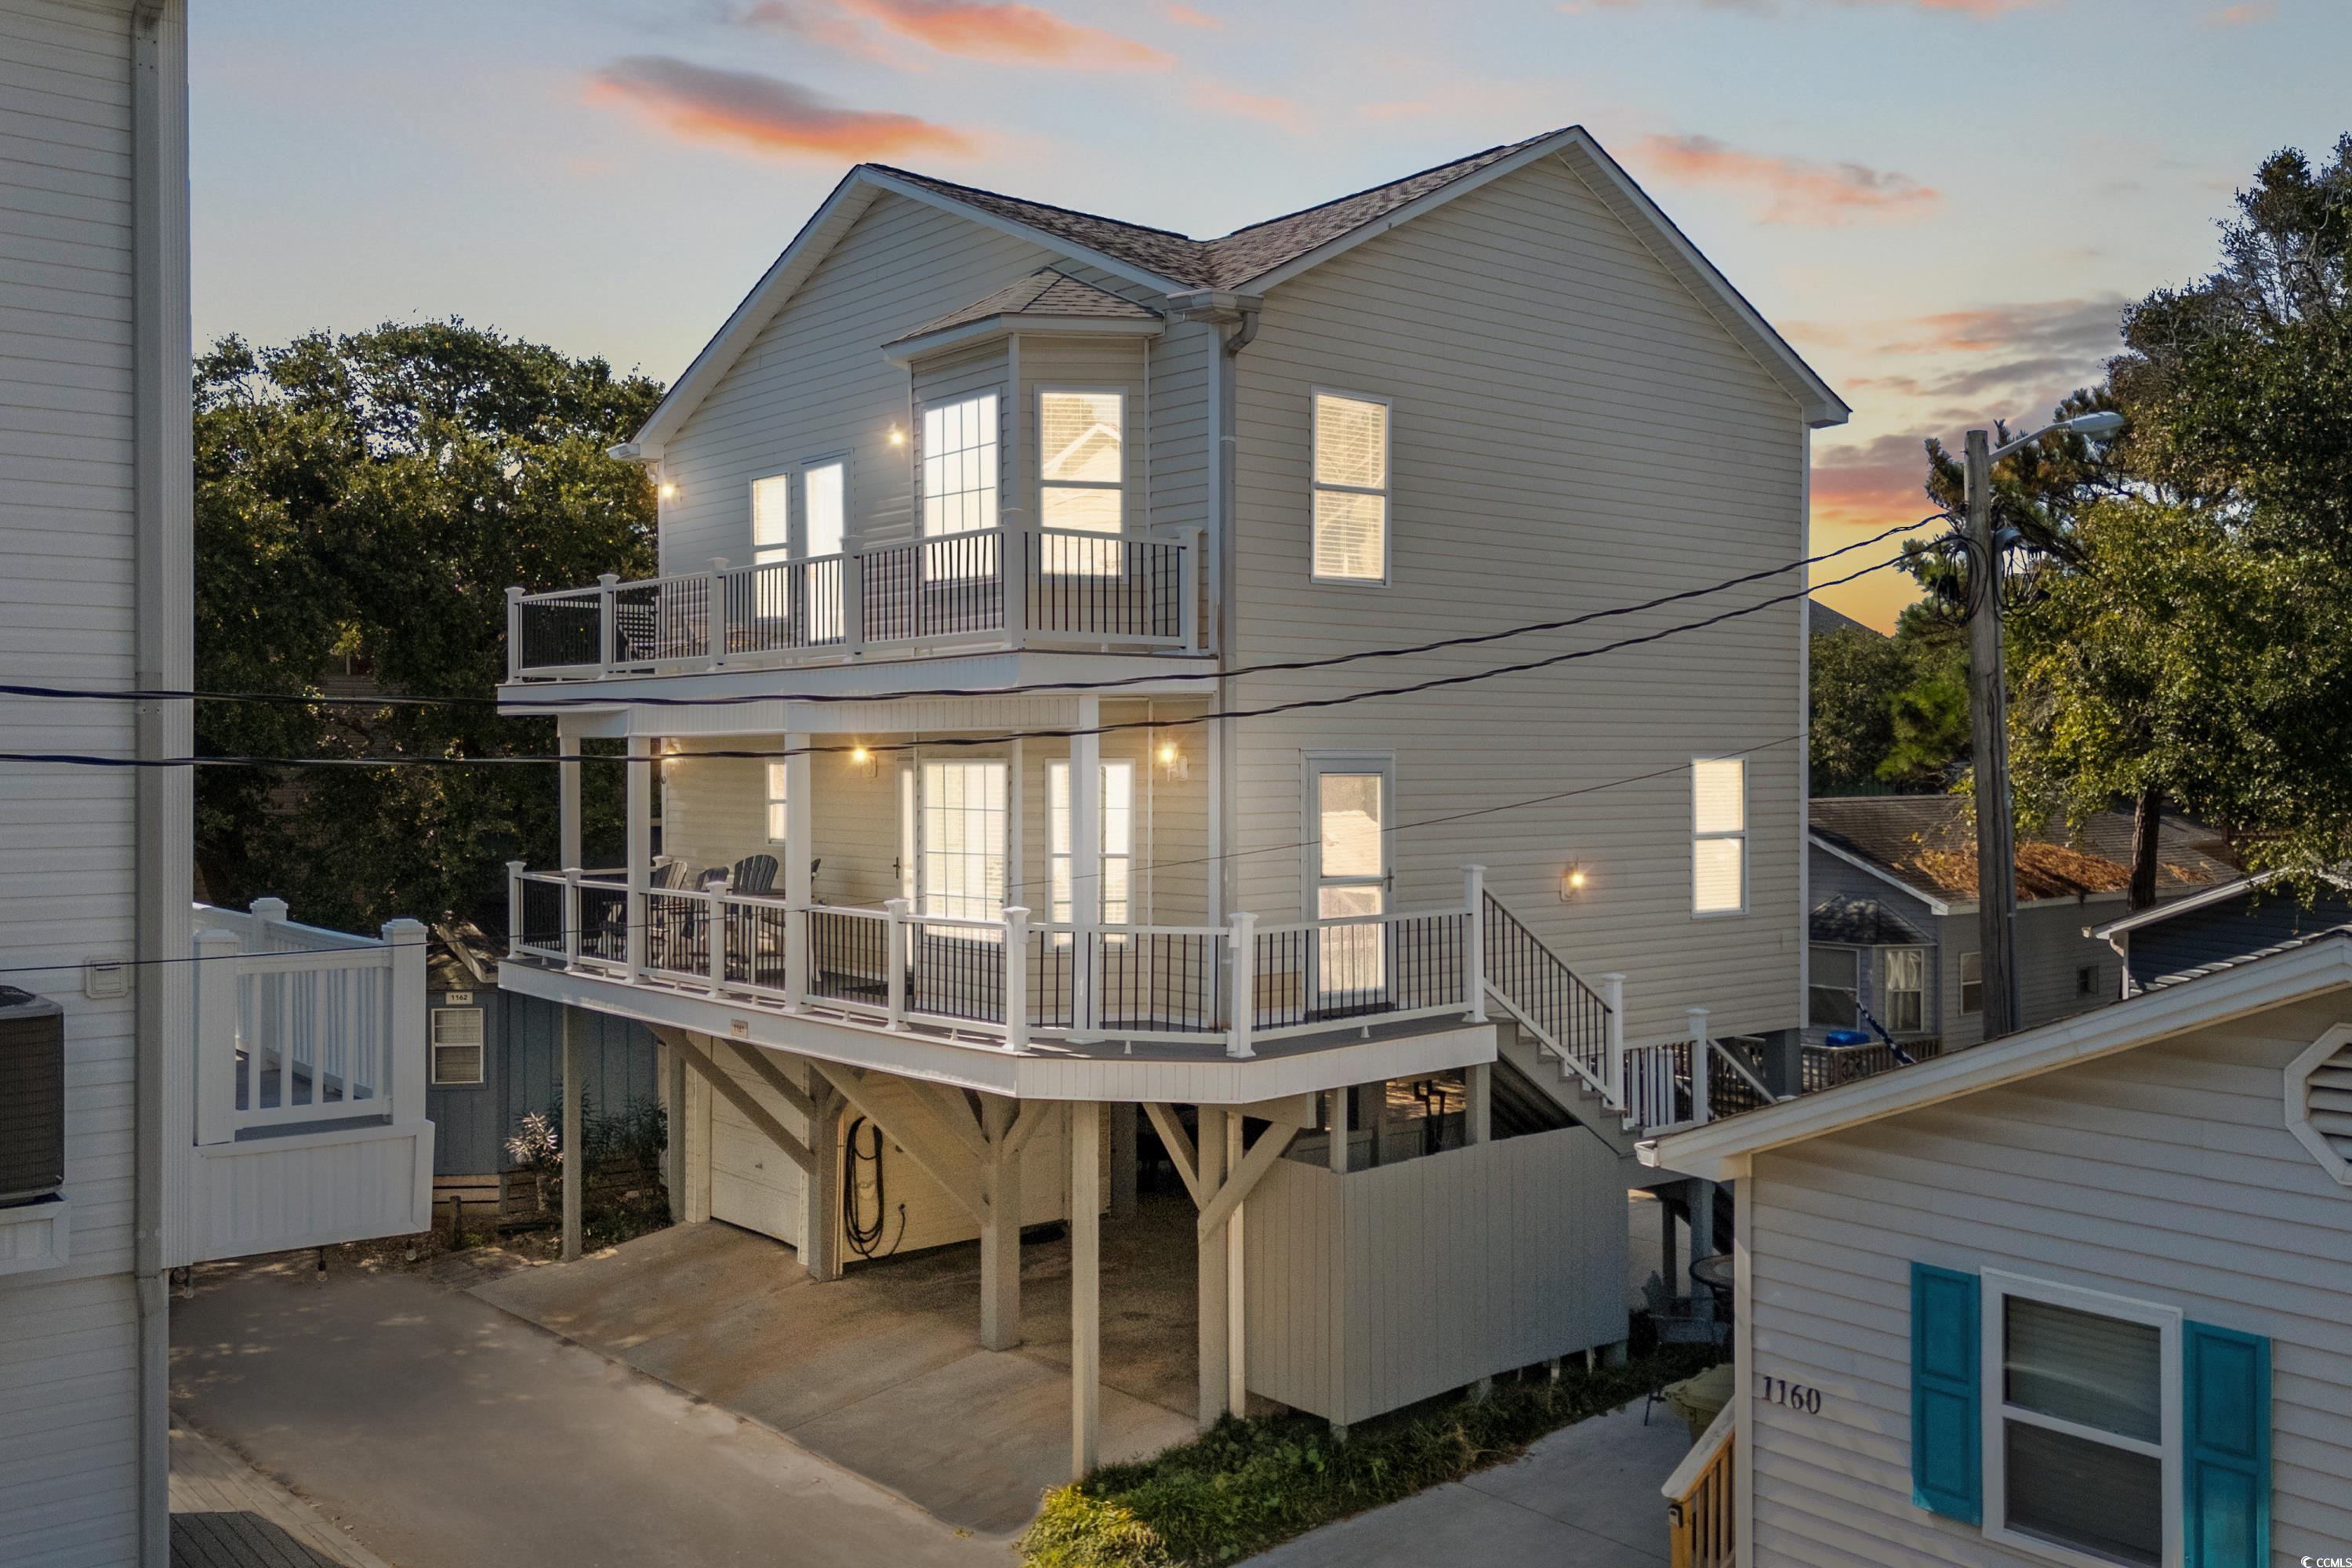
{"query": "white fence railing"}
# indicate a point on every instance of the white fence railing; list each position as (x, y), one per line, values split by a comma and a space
(1232, 986)
(296, 1026)
(1027, 586)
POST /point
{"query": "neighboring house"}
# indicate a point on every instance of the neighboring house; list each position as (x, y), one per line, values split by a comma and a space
(498, 1057)
(2078, 1296)
(1893, 923)
(175, 1084)
(2235, 920)
(1823, 620)
(980, 522)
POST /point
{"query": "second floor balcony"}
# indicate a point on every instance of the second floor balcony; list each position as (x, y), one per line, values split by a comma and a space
(1006, 587)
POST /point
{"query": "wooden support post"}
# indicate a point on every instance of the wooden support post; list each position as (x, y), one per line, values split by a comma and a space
(821, 1188)
(672, 1071)
(1209, 1154)
(1123, 1119)
(575, 1068)
(1477, 1102)
(1236, 1324)
(1000, 1229)
(1086, 1287)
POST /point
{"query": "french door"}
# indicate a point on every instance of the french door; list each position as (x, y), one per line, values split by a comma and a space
(1350, 806)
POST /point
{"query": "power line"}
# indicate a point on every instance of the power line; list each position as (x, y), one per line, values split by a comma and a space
(1067, 733)
(1278, 667)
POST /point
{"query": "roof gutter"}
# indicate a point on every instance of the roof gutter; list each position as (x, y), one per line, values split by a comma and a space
(1223, 308)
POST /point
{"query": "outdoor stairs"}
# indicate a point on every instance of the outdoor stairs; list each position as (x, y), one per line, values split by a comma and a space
(1546, 1074)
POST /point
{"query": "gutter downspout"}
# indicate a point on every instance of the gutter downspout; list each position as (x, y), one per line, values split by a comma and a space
(164, 809)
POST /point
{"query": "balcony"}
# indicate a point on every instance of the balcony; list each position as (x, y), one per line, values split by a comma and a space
(1008, 587)
(310, 1068)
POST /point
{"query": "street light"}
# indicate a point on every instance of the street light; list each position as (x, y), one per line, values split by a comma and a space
(1989, 706)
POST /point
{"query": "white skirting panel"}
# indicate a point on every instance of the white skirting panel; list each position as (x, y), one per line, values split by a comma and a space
(317, 1190)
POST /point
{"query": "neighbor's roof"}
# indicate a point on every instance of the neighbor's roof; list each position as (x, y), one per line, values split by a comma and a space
(1927, 844)
(1824, 619)
(1048, 292)
(1250, 259)
(2221, 893)
(1862, 922)
(1721, 1151)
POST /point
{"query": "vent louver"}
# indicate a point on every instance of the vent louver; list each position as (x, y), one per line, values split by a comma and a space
(2319, 1100)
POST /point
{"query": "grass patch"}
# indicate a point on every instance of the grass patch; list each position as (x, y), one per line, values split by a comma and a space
(1247, 1485)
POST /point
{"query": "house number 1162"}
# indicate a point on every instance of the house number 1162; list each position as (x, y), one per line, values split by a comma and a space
(1795, 1395)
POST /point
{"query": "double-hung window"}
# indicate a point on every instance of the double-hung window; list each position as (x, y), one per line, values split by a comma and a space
(776, 816)
(457, 1046)
(1718, 836)
(1905, 970)
(960, 465)
(1081, 477)
(1118, 842)
(1971, 982)
(2081, 1444)
(1352, 489)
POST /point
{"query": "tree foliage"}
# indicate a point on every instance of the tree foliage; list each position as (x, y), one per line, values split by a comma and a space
(1889, 711)
(363, 503)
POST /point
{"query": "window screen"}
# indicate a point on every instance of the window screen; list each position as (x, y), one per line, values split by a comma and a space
(1351, 490)
(1718, 836)
(456, 1045)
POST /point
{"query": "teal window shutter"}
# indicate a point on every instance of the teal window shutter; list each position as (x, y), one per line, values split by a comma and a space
(1947, 1430)
(2225, 1384)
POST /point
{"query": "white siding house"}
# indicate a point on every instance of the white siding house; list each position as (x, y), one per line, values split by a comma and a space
(1004, 701)
(2080, 1295)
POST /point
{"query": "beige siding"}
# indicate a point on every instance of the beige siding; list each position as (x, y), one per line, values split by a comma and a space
(69, 1336)
(2163, 1174)
(1572, 430)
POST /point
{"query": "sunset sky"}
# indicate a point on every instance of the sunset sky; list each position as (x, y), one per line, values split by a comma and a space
(1942, 203)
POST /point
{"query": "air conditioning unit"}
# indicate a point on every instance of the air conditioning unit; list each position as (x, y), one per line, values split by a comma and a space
(32, 1097)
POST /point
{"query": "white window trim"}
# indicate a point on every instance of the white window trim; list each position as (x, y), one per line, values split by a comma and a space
(919, 450)
(800, 502)
(1742, 835)
(920, 897)
(1387, 490)
(480, 1045)
(1998, 1287)
(1037, 413)
(1887, 986)
(767, 555)
(777, 778)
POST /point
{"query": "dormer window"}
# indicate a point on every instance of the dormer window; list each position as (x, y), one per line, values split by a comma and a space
(960, 465)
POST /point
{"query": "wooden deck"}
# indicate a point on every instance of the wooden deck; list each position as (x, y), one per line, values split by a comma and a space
(227, 1514)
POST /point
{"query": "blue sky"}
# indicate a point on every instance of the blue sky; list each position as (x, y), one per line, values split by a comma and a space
(1942, 203)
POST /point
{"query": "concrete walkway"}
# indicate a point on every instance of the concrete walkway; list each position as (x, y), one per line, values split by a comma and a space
(1584, 1497)
(443, 1433)
(227, 1514)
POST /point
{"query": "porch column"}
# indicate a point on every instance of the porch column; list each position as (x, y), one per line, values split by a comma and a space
(672, 1071)
(567, 776)
(1086, 858)
(821, 1189)
(1702, 1245)
(640, 768)
(1339, 1151)
(1237, 1315)
(800, 851)
(1123, 1119)
(575, 1067)
(1668, 1245)
(1086, 1286)
(1210, 1150)
(1000, 1230)
(1477, 1102)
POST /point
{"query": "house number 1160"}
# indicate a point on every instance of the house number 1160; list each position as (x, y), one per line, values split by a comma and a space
(1795, 1395)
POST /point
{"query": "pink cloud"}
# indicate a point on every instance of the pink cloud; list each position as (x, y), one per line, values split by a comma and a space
(1185, 16)
(1284, 113)
(1025, 35)
(762, 113)
(1787, 190)
(2241, 16)
(1765, 8)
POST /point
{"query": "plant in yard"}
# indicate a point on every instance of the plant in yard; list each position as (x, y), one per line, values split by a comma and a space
(537, 1147)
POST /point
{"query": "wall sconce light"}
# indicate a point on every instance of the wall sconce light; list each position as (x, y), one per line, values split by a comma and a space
(1174, 766)
(1571, 882)
(668, 490)
(859, 756)
(898, 436)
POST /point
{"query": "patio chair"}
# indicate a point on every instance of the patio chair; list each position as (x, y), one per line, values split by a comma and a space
(1678, 1321)
(752, 874)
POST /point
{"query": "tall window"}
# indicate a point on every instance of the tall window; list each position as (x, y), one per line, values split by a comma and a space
(772, 523)
(963, 831)
(960, 465)
(823, 509)
(1833, 999)
(1352, 489)
(1718, 836)
(2086, 1442)
(1971, 982)
(1118, 842)
(1351, 803)
(1906, 987)
(776, 819)
(1081, 479)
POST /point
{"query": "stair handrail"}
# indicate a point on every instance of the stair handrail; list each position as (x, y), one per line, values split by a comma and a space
(1510, 950)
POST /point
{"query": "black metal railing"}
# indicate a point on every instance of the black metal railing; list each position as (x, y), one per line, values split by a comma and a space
(755, 935)
(1542, 989)
(562, 633)
(539, 914)
(1320, 974)
(956, 971)
(1164, 982)
(849, 957)
(948, 585)
(677, 933)
(604, 922)
(1111, 587)
(1827, 1067)
(781, 605)
(666, 619)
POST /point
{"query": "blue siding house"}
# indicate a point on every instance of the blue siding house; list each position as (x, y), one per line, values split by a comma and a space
(2224, 924)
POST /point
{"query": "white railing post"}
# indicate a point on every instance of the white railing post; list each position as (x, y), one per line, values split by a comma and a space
(714, 614)
(852, 602)
(799, 942)
(1243, 1001)
(266, 912)
(894, 948)
(718, 935)
(405, 1015)
(1473, 942)
(514, 632)
(607, 638)
(514, 904)
(1612, 1033)
(1016, 978)
(216, 988)
(572, 917)
(1013, 575)
(1700, 1048)
(1189, 585)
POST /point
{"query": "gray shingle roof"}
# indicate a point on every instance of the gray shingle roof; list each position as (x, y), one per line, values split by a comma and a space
(1044, 293)
(1927, 842)
(1825, 619)
(1862, 922)
(1239, 256)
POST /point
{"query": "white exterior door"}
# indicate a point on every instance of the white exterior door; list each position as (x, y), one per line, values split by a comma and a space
(752, 1183)
(1350, 809)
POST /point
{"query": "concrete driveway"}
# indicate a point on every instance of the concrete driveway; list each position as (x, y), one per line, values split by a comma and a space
(442, 1433)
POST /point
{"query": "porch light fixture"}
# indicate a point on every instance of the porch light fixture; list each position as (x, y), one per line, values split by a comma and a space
(1571, 882)
(668, 491)
(898, 436)
(859, 756)
(1172, 763)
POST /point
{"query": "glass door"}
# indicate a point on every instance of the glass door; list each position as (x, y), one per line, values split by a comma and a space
(1349, 802)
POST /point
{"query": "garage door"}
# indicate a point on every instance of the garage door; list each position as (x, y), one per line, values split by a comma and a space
(752, 1183)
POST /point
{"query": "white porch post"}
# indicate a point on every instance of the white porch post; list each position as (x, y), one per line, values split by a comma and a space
(1699, 1052)
(1000, 1232)
(1209, 1146)
(567, 784)
(1613, 992)
(1085, 865)
(575, 1067)
(1237, 1315)
(893, 949)
(800, 879)
(1477, 1102)
(1015, 958)
(217, 969)
(1473, 942)
(821, 1191)
(1086, 1286)
(405, 1074)
(641, 850)
(1339, 1151)
(1242, 960)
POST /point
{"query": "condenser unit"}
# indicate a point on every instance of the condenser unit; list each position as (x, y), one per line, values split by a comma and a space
(32, 1096)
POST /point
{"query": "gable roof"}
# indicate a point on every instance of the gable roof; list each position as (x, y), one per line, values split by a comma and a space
(1822, 619)
(1253, 259)
(1721, 1151)
(1862, 922)
(2220, 893)
(1927, 845)
(1047, 292)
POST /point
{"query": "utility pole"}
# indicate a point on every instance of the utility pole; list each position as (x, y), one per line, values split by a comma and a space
(1988, 715)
